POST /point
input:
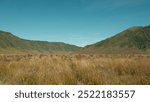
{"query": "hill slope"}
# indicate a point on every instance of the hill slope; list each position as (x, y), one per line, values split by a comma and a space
(11, 43)
(132, 40)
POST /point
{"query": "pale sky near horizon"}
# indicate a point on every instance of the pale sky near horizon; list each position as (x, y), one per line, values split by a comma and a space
(78, 22)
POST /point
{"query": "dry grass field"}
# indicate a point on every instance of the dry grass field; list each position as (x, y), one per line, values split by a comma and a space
(74, 69)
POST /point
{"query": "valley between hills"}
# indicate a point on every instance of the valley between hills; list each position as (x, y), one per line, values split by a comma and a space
(122, 59)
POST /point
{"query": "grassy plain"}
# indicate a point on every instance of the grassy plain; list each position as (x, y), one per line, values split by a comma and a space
(74, 69)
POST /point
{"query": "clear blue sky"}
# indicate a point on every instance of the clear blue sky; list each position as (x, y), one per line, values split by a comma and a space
(78, 22)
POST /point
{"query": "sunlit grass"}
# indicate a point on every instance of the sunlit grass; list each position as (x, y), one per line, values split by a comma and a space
(74, 69)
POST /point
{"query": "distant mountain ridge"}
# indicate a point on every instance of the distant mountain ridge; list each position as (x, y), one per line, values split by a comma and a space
(132, 40)
(12, 43)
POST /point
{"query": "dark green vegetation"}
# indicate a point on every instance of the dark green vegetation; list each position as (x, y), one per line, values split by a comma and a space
(13, 44)
(132, 40)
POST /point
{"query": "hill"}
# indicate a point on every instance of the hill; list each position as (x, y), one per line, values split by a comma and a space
(132, 40)
(10, 43)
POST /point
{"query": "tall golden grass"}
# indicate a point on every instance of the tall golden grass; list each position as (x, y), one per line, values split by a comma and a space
(75, 69)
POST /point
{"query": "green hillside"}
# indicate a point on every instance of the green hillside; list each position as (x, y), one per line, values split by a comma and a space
(11, 43)
(132, 40)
